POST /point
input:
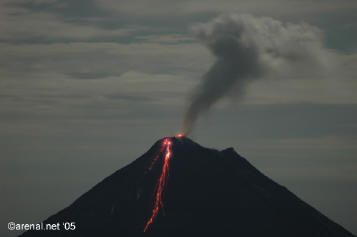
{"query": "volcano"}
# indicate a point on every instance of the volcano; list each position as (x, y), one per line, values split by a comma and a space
(203, 192)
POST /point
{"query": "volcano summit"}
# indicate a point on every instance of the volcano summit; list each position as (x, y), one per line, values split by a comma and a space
(179, 188)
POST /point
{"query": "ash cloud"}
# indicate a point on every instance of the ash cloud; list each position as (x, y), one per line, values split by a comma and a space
(248, 48)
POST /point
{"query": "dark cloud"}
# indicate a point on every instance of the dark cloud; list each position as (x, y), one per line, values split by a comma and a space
(91, 75)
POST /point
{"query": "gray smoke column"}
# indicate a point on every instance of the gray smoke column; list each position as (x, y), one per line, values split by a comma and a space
(248, 48)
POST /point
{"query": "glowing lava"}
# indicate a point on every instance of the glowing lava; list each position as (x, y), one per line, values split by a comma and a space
(166, 145)
(180, 135)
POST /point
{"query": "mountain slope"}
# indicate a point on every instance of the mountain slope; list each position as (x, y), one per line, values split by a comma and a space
(207, 192)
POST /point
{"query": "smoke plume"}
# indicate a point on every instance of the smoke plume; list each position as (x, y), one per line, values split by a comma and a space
(248, 48)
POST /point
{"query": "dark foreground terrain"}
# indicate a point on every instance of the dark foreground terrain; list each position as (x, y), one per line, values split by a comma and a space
(208, 193)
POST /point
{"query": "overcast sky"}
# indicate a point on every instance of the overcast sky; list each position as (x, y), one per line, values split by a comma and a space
(88, 86)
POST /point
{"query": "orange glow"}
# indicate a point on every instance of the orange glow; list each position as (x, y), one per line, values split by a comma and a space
(158, 203)
(180, 135)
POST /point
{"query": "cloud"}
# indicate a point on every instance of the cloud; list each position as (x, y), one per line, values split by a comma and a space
(248, 48)
(22, 24)
(46, 27)
(157, 8)
(54, 94)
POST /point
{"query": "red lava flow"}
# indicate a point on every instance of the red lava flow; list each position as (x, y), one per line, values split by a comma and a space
(158, 203)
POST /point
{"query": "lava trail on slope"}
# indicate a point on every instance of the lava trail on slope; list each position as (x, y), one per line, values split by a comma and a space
(158, 203)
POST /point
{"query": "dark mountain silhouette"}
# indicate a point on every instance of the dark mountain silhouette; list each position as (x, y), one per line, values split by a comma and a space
(208, 193)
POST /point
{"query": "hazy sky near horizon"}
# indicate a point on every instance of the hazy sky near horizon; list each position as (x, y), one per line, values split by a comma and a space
(88, 86)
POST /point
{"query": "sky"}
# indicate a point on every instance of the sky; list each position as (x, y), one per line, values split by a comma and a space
(88, 86)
